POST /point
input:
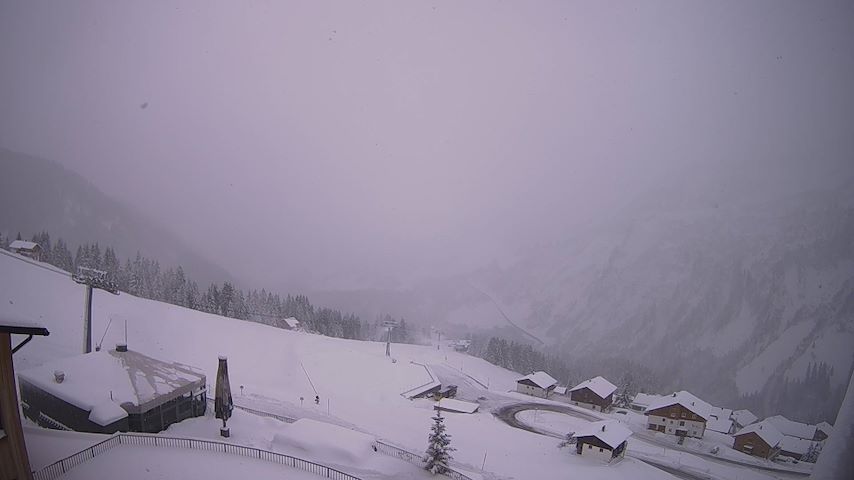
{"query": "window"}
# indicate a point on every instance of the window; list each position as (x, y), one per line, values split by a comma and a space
(682, 423)
(672, 414)
(684, 414)
(600, 450)
(589, 447)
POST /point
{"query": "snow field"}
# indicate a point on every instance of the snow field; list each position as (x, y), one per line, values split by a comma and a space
(356, 383)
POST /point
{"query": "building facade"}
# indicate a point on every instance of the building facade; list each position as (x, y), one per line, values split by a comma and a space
(676, 420)
(537, 384)
(752, 444)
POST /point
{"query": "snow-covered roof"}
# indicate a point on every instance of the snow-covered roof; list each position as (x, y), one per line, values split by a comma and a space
(23, 245)
(721, 425)
(597, 385)
(107, 412)
(792, 428)
(130, 379)
(645, 399)
(825, 427)
(766, 431)
(687, 400)
(422, 390)
(292, 322)
(794, 445)
(540, 379)
(744, 417)
(459, 406)
(719, 419)
(560, 390)
(21, 326)
(611, 432)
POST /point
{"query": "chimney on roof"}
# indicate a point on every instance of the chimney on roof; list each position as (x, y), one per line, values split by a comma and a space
(603, 428)
(58, 376)
(692, 403)
(121, 347)
(674, 394)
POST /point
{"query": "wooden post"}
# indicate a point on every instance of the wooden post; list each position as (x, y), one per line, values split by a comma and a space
(87, 320)
(14, 462)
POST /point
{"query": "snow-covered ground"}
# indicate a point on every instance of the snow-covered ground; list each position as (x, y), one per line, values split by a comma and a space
(149, 463)
(281, 371)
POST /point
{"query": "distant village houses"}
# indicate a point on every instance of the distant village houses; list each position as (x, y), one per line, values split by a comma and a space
(538, 384)
(595, 393)
(28, 249)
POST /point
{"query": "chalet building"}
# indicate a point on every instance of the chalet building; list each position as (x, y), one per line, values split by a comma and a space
(743, 418)
(822, 431)
(27, 249)
(642, 401)
(111, 391)
(606, 440)
(14, 460)
(595, 393)
(537, 384)
(792, 428)
(758, 439)
(290, 323)
(681, 414)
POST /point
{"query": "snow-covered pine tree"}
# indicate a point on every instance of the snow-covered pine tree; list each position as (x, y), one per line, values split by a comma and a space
(438, 455)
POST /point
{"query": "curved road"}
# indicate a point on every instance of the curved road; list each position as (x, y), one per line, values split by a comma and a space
(507, 414)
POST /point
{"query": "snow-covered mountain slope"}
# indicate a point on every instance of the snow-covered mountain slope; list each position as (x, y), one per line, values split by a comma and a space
(721, 298)
(357, 384)
(39, 195)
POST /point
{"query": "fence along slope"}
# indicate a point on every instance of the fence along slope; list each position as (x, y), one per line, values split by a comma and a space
(60, 467)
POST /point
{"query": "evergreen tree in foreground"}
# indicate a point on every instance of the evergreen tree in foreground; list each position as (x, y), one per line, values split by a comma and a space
(439, 449)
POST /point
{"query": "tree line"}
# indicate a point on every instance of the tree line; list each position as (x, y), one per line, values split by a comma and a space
(146, 278)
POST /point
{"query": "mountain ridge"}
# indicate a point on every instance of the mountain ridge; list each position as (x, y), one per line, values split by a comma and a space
(37, 195)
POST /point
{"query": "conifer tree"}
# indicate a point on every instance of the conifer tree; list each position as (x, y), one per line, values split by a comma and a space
(438, 455)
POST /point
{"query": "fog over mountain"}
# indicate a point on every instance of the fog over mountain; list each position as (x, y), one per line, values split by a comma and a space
(669, 182)
(38, 195)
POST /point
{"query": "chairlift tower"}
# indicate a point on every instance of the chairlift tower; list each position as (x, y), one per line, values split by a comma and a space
(389, 325)
(92, 279)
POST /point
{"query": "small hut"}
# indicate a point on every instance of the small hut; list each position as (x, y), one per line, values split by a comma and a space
(27, 249)
(606, 440)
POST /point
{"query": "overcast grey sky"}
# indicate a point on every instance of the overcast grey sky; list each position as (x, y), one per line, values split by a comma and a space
(373, 141)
